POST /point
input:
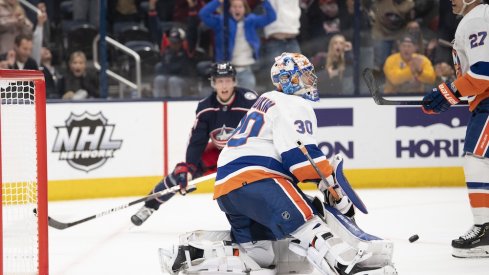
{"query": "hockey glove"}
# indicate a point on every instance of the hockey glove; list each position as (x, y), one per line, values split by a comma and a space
(181, 175)
(344, 204)
(441, 98)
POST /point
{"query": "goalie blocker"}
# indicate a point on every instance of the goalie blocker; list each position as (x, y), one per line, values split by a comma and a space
(212, 252)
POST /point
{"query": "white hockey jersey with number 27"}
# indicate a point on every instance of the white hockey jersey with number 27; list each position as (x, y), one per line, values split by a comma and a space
(471, 55)
(264, 145)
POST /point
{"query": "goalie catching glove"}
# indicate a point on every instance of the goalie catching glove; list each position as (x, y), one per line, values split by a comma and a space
(181, 175)
(441, 98)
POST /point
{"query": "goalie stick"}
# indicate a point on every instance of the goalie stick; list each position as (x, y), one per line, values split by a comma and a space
(340, 179)
(373, 87)
(63, 225)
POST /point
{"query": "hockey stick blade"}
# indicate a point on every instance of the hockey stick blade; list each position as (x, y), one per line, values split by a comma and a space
(63, 225)
(373, 87)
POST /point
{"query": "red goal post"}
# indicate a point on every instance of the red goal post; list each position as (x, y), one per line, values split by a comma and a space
(23, 173)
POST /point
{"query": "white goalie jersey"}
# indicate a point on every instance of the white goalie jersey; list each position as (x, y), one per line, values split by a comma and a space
(265, 144)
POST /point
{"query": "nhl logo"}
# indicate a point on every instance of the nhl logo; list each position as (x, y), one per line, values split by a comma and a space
(85, 141)
(285, 215)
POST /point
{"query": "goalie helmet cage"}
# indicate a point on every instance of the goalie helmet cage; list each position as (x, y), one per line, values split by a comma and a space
(23, 173)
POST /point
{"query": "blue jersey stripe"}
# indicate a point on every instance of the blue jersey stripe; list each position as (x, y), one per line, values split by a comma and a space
(480, 68)
(295, 155)
(478, 185)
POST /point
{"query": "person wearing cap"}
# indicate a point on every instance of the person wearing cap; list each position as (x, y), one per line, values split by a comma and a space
(174, 68)
(406, 71)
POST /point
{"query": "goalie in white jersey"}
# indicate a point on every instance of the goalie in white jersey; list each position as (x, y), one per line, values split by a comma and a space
(471, 59)
(258, 171)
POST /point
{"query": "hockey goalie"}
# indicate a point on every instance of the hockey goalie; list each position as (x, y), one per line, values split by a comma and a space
(214, 252)
(275, 226)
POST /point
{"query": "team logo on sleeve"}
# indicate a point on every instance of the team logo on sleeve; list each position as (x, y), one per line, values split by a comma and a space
(85, 141)
(250, 96)
(221, 135)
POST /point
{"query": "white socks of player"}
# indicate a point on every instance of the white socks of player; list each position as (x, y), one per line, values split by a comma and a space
(330, 254)
(142, 215)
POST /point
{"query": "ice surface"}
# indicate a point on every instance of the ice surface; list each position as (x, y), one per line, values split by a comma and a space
(111, 245)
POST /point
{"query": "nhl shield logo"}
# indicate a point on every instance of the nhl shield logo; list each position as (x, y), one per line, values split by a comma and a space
(85, 141)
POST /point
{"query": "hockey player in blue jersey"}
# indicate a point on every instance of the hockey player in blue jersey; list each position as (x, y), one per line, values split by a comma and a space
(258, 171)
(216, 118)
(471, 59)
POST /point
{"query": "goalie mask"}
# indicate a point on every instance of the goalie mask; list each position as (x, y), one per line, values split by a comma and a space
(293, 74)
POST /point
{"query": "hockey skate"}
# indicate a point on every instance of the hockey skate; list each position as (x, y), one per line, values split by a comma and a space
(474, 244)
(142, 215)
(175, 260)
(358, 270)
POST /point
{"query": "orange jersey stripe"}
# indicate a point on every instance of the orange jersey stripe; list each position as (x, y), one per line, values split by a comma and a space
(308, 172)
(482, 143)
(470, 86)
(243, 178)
(294, 195)
(479, 200)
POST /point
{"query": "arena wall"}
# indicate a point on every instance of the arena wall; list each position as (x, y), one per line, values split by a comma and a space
(110, 149)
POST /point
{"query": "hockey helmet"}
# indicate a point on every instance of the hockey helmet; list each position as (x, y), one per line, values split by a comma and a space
(222, 70)
(293, 74)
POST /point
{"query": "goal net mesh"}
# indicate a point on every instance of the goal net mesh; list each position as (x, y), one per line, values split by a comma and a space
(19, 177)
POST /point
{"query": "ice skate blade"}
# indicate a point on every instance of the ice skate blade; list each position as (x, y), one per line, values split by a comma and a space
(476, 252)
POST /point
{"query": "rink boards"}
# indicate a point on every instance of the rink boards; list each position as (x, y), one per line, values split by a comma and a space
(110, 149)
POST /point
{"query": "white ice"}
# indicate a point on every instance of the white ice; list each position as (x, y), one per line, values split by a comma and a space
(111, 245)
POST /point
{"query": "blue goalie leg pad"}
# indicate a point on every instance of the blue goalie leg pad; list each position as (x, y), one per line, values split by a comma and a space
(345, 185)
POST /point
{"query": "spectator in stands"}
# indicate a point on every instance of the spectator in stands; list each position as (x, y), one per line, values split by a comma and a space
(407, 71)
(12, 23)
(444, 73)
(80, 82)
(390, 18)
(335, 74)
(322, 23)
(243, 46)
(52, 76)
(174, 69)
(282, 33)
(86, 11)
(281, 36)
(20, 58)
(183, 13)
(158, 30)
(38, 36)
(348, 17)
(448, 22)
(124, 10)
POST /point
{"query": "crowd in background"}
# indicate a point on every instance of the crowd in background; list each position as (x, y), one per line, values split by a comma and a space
(406, 42)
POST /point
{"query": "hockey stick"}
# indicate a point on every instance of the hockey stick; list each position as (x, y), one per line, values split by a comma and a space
(340, 179)
(331, 189)
(373, 87)
(62, 225)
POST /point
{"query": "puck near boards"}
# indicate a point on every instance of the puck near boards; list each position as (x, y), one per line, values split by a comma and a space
(413, 238)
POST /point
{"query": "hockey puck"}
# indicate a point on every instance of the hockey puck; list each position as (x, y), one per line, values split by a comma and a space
(413, 238)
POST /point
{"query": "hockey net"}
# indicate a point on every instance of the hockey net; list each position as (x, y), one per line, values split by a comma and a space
(23, 173)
